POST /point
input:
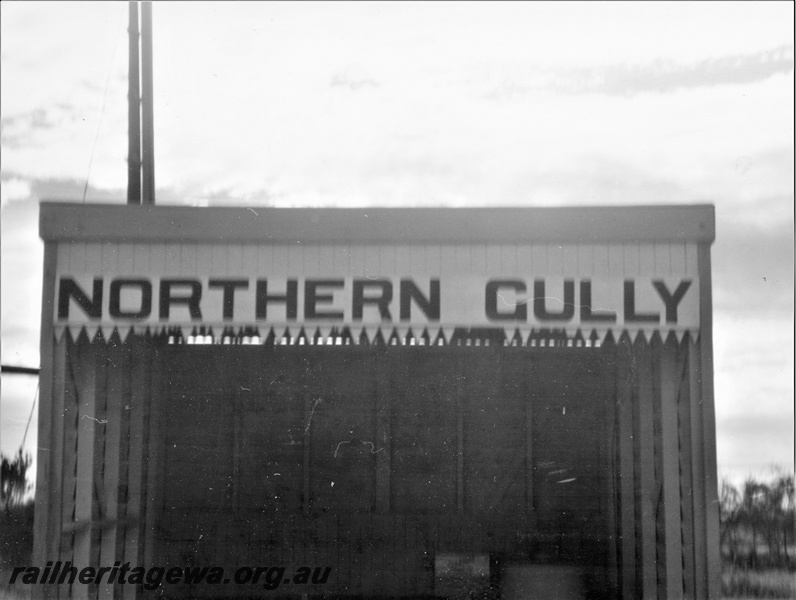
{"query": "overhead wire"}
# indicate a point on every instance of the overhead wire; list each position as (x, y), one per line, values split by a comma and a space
(104, 103)
(30, 417)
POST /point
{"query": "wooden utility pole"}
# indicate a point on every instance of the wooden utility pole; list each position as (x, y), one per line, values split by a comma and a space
(141, 130)
(133, 112)
(148, 125)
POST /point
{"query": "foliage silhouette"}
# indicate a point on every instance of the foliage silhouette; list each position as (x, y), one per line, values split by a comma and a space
(757, 522)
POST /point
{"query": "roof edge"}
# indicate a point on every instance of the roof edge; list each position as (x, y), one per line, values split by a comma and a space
(69, 222)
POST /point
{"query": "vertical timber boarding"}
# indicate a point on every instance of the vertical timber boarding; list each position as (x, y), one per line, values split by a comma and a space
(99, 459)
(670, 475)
(686, 471)
(64, 536)
(609, 494)
(117, 368)
(50, 426)
(383, 437)
(675, 467)
(155, 473)
(625, 385)
(707, 440)
(645, 502)
(137, 442)
(101, 462)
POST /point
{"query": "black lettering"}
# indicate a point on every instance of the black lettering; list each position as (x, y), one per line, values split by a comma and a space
(671, 300)
(290, 299)
(114, 307)
(257, 572)
(382, 301)
(229, 286)
(317, 578)
(86, 575)
(69, 571)
(114, 571)
(173, 575)
(68, 288)
(430, 306)
(243, 575)
(273, 578)
(136, 575)
(195, 574)
(302, 575)
(215, 576)
(14, 574)
(630, 306)
(192, 300)
(586, 313)
(46, 571)
(153, 578)
(54, 575)
(100, 572)
(539, 308)
(31, 575)
(312, 298)
(123, 571)
(520, 312)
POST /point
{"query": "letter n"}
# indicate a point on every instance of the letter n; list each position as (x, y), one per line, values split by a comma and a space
(68, 289)
(430, 306)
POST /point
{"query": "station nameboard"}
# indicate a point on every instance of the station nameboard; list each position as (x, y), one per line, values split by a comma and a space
(188, 285)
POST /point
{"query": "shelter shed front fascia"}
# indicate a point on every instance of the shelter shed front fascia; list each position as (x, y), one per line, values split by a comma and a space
(368, 389)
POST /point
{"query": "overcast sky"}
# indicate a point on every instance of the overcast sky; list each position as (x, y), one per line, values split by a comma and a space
(429, 104)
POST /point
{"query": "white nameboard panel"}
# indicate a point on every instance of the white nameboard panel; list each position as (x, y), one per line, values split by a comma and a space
(630, 287)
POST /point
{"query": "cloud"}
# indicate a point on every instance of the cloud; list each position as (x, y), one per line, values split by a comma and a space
(753, 267)
(13, 188)
(668, 76)
(72, 190)
(35, 119)
(595, 179)
(352, 83)
(749, 441)
(21, 265)
(64, 189)
(660, 76)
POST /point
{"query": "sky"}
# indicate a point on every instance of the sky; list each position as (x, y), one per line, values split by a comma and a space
(428, 104)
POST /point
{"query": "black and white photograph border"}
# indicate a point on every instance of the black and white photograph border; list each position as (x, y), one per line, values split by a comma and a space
(394, 299)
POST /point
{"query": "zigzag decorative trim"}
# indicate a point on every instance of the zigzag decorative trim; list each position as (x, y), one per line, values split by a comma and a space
(371, 336)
